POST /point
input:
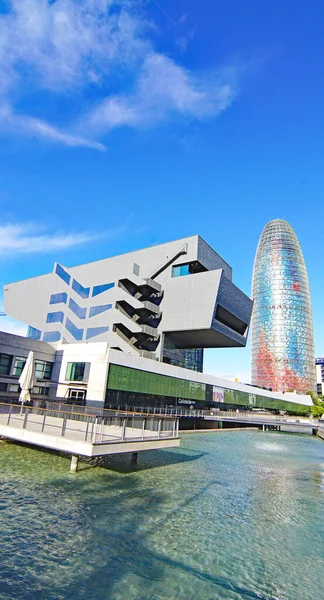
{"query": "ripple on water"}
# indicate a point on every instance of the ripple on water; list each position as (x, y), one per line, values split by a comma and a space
(231, 516)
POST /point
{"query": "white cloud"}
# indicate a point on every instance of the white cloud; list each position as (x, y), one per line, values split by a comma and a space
(86, 53)
(66, 42)
(41, 130)
(164, 88)
(26, 239)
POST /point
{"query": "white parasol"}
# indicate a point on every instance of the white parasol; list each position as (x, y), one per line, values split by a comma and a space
(27, 380)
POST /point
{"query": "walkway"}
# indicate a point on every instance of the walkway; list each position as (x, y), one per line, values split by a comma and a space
(87, 435)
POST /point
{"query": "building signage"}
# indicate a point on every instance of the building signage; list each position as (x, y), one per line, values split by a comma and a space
(218, 394)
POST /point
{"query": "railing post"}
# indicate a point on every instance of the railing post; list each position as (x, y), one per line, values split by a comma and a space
(101, 430)
(64, 425)
(143, 428)
(44, 419)
(174, 428)
(87, 429)
(25, 418)
(124, 430)
(9, 415)
(159, 428)
(92, 428)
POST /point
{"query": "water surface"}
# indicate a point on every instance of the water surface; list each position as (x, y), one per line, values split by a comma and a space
(230, 515)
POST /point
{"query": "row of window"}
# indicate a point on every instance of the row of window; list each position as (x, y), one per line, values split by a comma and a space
(15, 387)
(43, 368)
(83, 292)
(55, 336)
(58, 316)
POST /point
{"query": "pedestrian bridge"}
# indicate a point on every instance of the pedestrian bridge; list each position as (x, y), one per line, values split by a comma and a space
(258, 419)
(91, 435)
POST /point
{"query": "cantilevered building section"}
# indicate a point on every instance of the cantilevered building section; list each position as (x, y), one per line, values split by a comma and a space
(167, 302)
(281, 326)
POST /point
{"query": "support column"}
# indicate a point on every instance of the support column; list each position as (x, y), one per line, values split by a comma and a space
(74, 463)
(134, 458)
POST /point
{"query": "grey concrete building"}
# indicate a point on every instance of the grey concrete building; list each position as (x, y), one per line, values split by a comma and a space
(166, 302)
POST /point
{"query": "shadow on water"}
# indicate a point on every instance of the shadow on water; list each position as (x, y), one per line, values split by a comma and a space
(94, 537)
(121, 463)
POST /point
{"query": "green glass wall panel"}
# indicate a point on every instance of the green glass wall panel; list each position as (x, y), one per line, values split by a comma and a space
(246, 399)
(236, 397)
(132, 380)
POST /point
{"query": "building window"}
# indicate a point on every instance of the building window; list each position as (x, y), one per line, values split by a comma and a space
(19, 365)
(77, 310)
(3, 386)
(33, 333)
(99, 289)
(93, 331)
(73, 330)
(14, 387)
(52, 336)
(79, 289)
(96, 310)
(180, 270)
(77, 395)
(55, 317)
(58, 298)
(43, 369)
(75, 371)
(38, 389)
(63, 274)
(5, 364)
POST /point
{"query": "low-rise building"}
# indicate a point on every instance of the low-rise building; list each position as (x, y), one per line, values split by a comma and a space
(101, 377)
(319, 363)
(14, 350)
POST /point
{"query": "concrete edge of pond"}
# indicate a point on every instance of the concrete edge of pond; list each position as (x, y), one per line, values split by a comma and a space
(181, 431)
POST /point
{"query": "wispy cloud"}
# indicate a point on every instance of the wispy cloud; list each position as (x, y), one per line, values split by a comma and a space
(41, 129)
(164, 88)
(27, 238)
(38, 129)
(100, 53)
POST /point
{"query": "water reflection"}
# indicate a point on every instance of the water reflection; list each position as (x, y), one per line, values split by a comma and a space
(224, 517)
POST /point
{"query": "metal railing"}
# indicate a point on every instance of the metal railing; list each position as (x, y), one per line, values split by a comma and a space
(93, 428)
(226, 414)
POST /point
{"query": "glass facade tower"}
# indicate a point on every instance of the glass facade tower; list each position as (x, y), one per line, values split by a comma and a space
(281, 328)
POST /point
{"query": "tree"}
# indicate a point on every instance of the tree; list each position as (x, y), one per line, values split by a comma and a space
(317, 409)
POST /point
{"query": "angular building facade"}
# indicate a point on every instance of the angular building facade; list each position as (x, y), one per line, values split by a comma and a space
(281, 326)
(167, 303)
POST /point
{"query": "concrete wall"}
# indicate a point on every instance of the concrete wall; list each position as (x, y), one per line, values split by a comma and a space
(95, 356)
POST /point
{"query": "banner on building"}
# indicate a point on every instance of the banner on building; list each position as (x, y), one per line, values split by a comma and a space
(218, 394)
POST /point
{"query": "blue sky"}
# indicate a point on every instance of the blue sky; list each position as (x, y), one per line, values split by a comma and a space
(125, 124)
